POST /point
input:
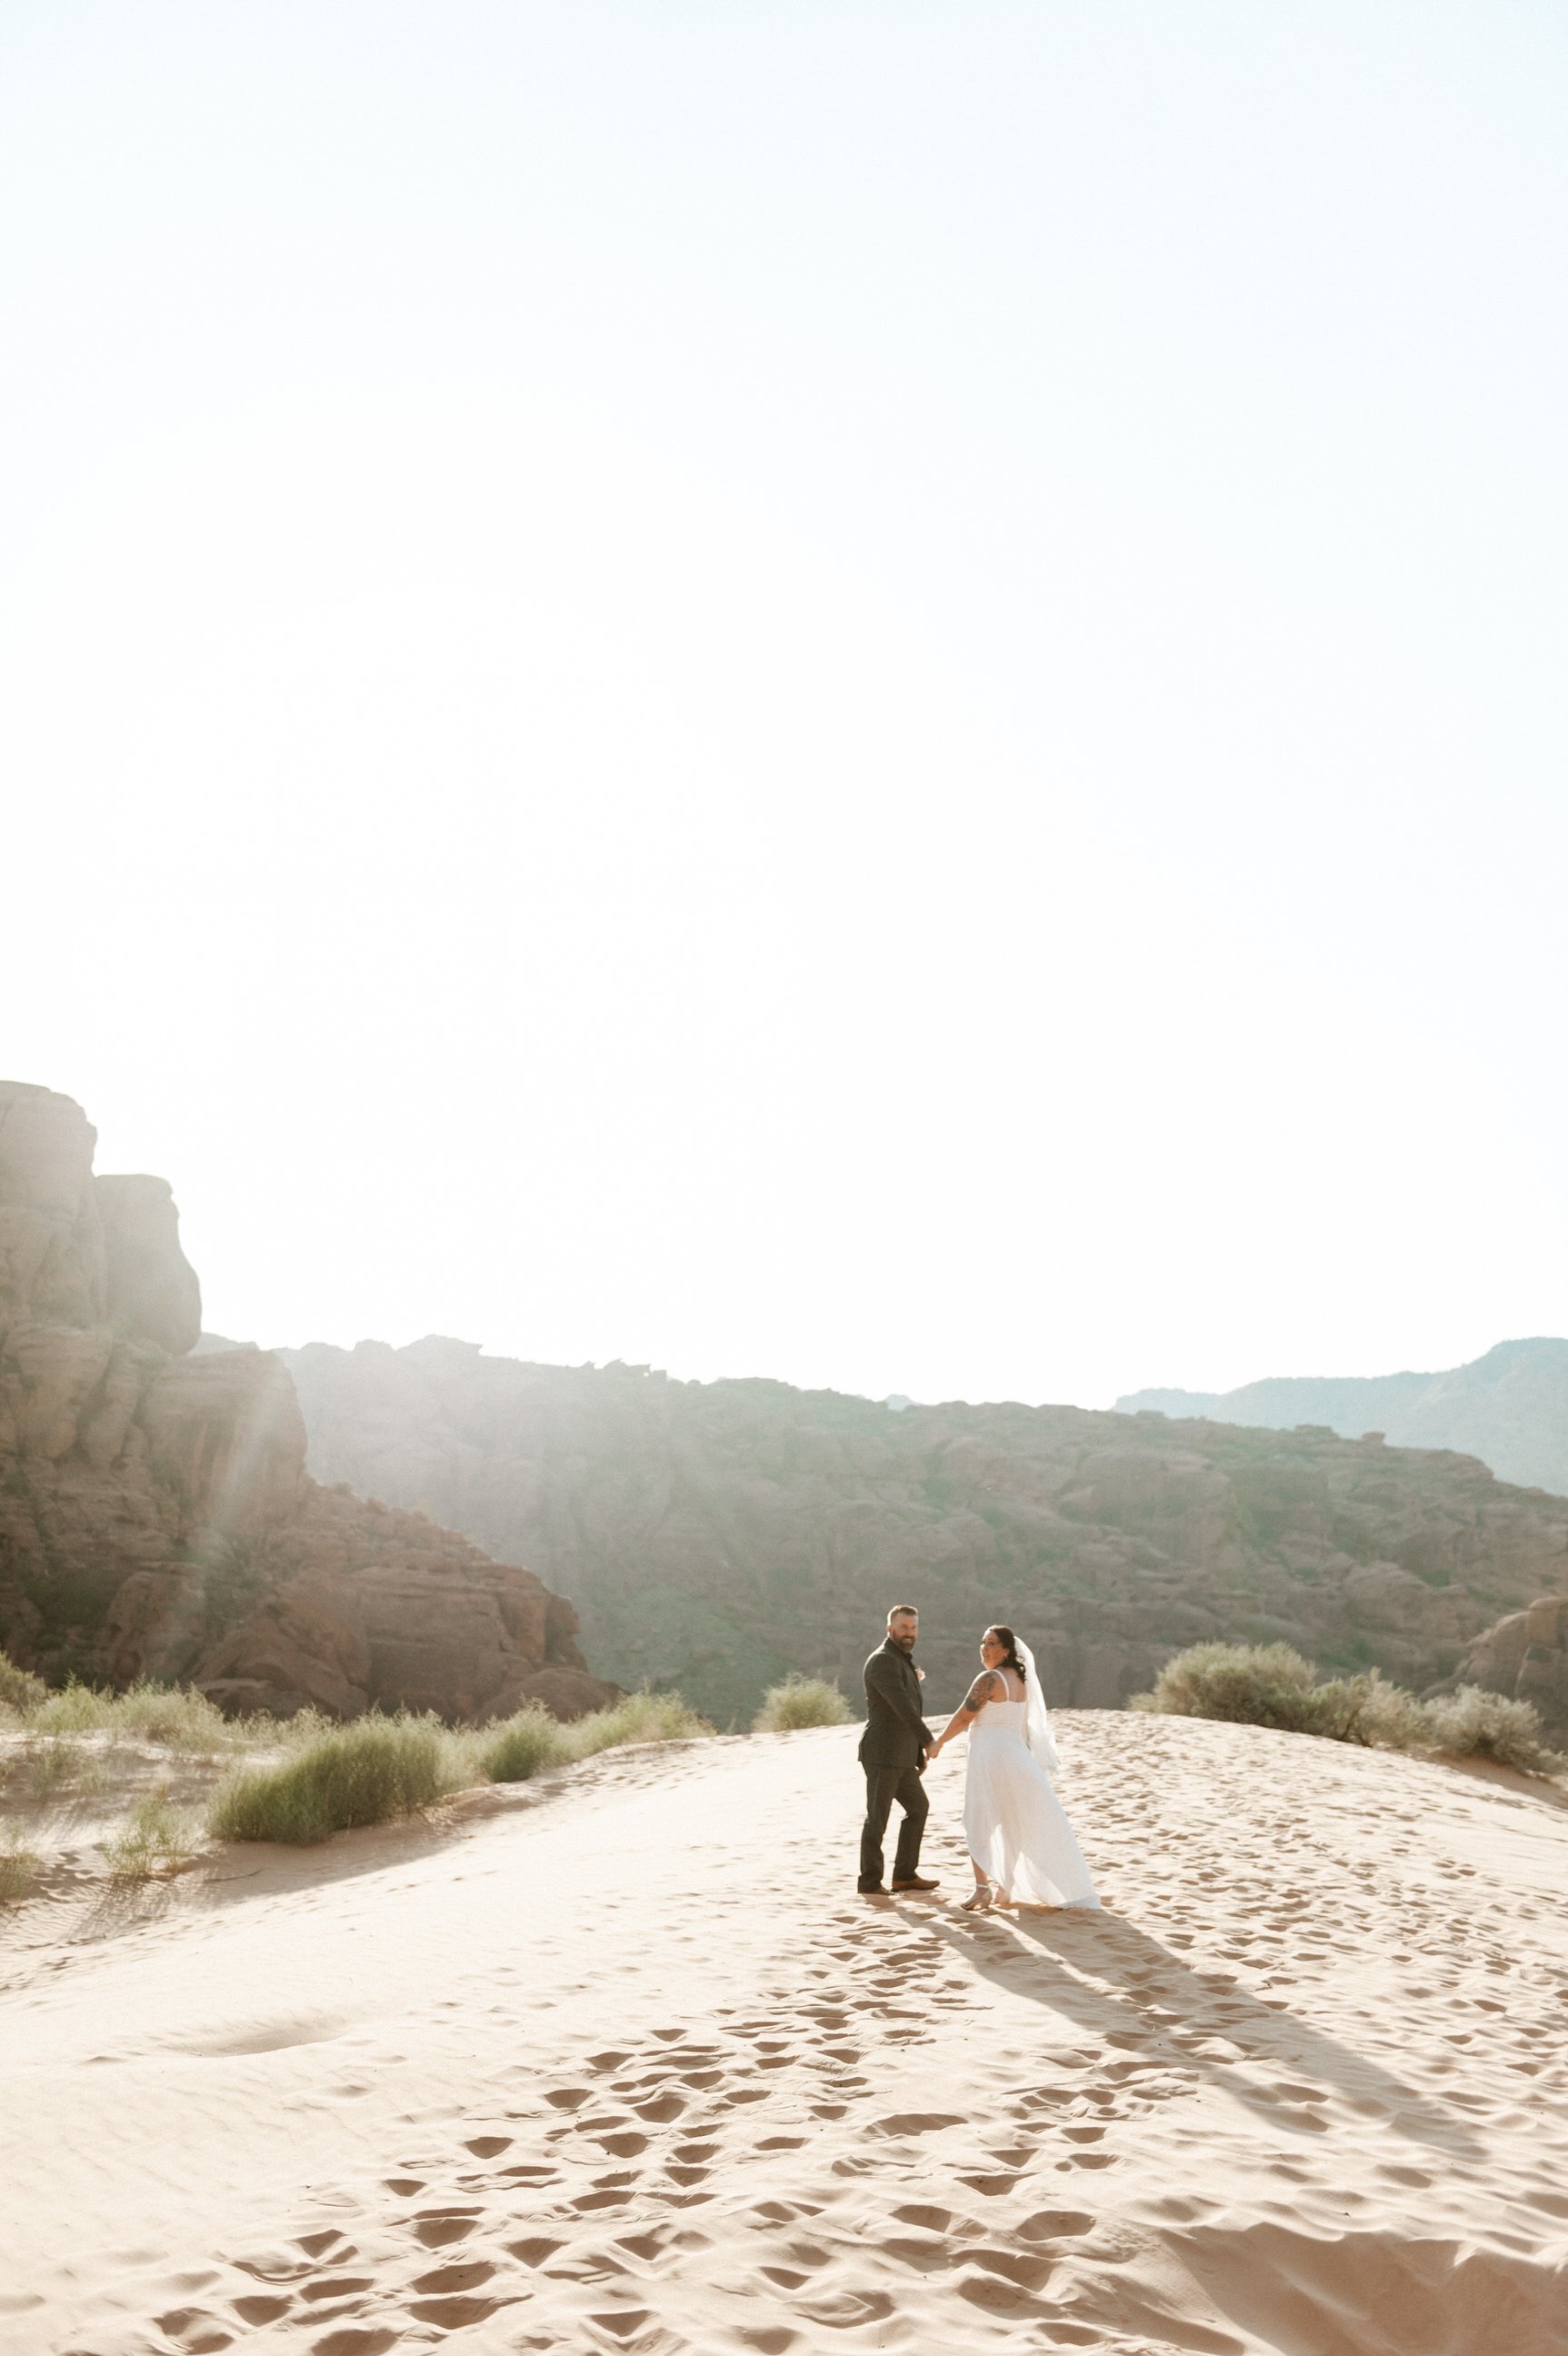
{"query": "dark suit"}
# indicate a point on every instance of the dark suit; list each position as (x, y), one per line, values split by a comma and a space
(892, 1752)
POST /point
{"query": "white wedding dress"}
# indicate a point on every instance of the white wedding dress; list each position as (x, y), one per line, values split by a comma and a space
(1015, 1827)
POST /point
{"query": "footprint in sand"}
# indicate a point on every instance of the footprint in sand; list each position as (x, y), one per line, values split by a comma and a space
(1056, 2225)
(535, 2249)
(684, 2099)
(437, 2229)
(469, 2274)
(261, 2309)
(194, 2331)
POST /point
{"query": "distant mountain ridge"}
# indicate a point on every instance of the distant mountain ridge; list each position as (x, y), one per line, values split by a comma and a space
(715, 1536)
(1508, 1408)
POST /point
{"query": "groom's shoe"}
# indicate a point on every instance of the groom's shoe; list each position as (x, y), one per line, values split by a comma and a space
(871, 1890)
(914, 1882)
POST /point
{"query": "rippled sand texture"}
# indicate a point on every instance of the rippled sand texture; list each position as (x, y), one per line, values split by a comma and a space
(627, 2066)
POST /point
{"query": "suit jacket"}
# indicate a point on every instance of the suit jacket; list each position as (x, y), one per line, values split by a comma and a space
(896, 1734)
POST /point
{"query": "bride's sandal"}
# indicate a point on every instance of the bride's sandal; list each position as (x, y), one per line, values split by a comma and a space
(978, 1903)
(998, 1897)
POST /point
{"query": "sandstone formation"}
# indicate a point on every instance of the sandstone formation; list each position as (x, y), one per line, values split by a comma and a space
(715, 1536)
(152, 1288)
(1526, 1656)
(1509, 1409)
(156, 1515)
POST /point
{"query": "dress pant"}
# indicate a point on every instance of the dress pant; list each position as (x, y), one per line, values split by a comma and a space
(883, 1786)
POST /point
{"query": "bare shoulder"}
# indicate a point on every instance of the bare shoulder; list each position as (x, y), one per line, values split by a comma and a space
(988, 1686)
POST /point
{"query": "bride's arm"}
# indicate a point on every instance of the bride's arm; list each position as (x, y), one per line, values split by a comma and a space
(968, 1710)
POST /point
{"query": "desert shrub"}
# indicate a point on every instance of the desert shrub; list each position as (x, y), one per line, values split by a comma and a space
(19, 1690)
(1364, 1709)
(1245, 1685)
(295, 1733)
(176, 1716)
(43, 1767)
(368, 1773)
(1393, 1718)
(637, 1718)
(75, 1709)
(364, 1773)
(52, 1763)
(1270, 1684)
(1474, 1724)
(512, 1749)
(156, 1837)
(802, 1701)
(19, 1866)
(515, 1748)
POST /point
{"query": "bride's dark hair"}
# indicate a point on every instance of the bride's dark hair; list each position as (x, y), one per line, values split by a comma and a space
(1005, 1637)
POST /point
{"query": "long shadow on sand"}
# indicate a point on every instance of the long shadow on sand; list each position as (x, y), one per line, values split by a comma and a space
(1127, 1991)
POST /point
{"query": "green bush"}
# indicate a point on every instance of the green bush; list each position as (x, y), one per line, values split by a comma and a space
(1270, 1684)
(19, 1866)
(637, 1718)
(19, 1690)
(530, 1741)
(364, 1773)
(75, 1709)
(296, 1733)
(517, 1748)
(802, 1701)
(1363, 1708)
(176, 1716)
(49, 1764)
(155, 1838)
(1244, 1685)
(1474, 1724)
(376, 1768)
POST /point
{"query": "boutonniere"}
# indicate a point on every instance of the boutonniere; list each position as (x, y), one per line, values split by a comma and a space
(921, 1675)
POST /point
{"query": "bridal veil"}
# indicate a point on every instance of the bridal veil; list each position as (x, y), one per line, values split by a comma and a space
(1036, 1717)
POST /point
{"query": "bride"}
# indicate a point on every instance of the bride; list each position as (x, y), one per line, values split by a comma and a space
(1019, 1840)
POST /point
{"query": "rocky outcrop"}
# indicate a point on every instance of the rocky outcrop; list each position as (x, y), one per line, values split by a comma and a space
(155, 1515)
(715, 1536)
(152, 1288)
(1526, 1656)
(1509, 1409)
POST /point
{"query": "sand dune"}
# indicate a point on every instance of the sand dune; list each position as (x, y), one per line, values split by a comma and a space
(625, 2065)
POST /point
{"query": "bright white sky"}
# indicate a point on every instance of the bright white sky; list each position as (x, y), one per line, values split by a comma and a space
(864, 692)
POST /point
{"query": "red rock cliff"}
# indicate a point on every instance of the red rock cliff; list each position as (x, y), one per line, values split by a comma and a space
(155, 1515)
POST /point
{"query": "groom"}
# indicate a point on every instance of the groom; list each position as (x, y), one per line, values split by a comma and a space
(892, 1752)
